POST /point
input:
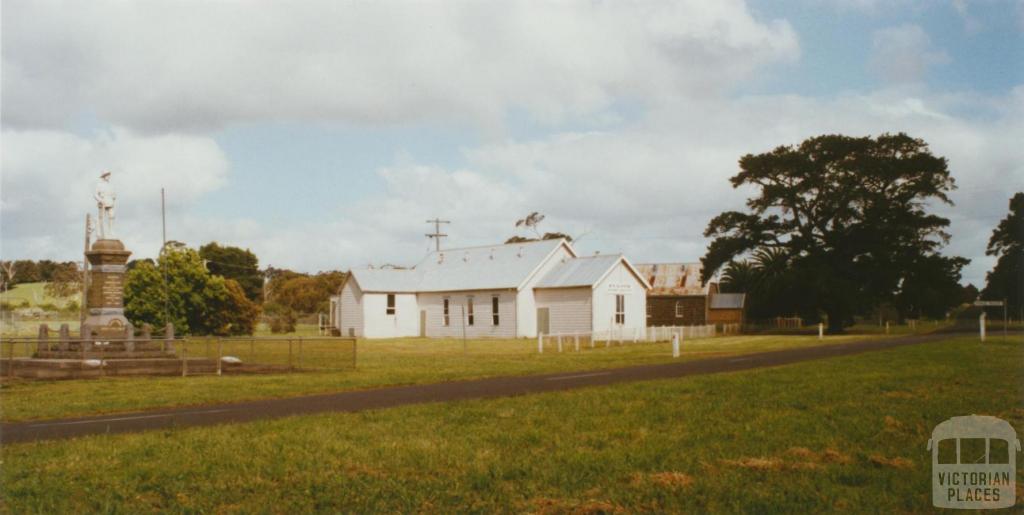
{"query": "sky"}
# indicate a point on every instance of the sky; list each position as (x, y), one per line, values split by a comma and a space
(323, 134)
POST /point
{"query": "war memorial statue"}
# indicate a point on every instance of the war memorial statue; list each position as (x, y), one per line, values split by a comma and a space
(105, 198)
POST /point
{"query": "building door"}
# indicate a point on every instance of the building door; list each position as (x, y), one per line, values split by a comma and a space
(423, 323)
(543, 321)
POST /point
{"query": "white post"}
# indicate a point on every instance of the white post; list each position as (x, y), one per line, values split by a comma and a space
(540, 343)
(559, 342)
(675, 345)
(981, 325)
(886, 327)
(821, 331)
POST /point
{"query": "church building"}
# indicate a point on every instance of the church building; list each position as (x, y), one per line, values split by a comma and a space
(503, 291)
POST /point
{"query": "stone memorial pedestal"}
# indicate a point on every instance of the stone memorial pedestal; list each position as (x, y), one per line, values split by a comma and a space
(104, 298)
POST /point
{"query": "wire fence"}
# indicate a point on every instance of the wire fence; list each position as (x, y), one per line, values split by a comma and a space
(68, 358)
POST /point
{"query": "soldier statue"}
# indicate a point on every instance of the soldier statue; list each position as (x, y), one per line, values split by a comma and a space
(105, 197)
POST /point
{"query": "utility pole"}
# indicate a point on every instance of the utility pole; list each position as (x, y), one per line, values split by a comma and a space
(437, 235)
(163, 261)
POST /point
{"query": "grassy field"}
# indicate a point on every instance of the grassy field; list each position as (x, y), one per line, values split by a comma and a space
(35, 295)
(845, 434)
(380, 363)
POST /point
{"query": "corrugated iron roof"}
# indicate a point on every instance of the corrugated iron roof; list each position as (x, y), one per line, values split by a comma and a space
(673, 278)
(582, 271)
(475, 268)
(386, 279)
(727, 301)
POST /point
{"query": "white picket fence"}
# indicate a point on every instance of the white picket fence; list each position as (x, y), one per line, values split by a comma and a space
(577, 341)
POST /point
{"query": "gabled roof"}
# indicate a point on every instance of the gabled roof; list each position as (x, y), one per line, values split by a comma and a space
(492, 267)
(727, 300)
(386, 279)
(585, 271)
(673, 278)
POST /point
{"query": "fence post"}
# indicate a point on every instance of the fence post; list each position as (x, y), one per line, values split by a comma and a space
(981, 325)
(821, 331)
(42, 341)
(540, 342)
(675, 345)
(300, 353)
(10, 359)
(252, 350)
(102, 367)
(220, 354)
(886, 327)
(559, 338)
(354, 350)
(290, 369)
(576, 338)
(184, 359)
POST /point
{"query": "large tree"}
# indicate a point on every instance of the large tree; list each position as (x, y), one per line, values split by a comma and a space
(193, 299)
(235, 263)
(1006, 280)
(849, 215)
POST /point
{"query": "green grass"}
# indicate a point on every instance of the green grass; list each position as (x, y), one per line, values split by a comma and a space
(844, 434)
(301, 329)
(34, 294)
(380, 363)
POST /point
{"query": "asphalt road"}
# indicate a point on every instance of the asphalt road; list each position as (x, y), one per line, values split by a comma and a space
(439, 392)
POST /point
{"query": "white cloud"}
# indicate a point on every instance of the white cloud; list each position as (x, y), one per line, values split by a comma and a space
(175, 66)
(646, 186)
(647, 189)
(48, 178)
(904, 53)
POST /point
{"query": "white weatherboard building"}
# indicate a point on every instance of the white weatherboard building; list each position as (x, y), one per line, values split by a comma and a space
(506, 291)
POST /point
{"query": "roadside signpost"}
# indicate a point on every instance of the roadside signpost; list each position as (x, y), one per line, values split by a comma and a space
(992, 304)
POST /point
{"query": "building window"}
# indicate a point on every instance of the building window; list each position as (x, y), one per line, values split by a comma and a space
(620, 309)
(391, 304)
(494, 310)
(679, 309)
(469, 310)
(445, 319)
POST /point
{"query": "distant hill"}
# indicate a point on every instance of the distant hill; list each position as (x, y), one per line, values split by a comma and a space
(35, 295)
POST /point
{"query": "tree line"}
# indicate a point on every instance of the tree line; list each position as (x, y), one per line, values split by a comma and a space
(220, 290)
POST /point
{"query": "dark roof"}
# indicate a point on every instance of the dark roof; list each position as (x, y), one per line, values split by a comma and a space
(673, 279)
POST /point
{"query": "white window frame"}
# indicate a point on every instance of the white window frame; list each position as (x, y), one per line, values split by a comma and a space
(495, 307)
(620, 309)
(390, 304)
(446, 319)
(470, 317)
(679, 306)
